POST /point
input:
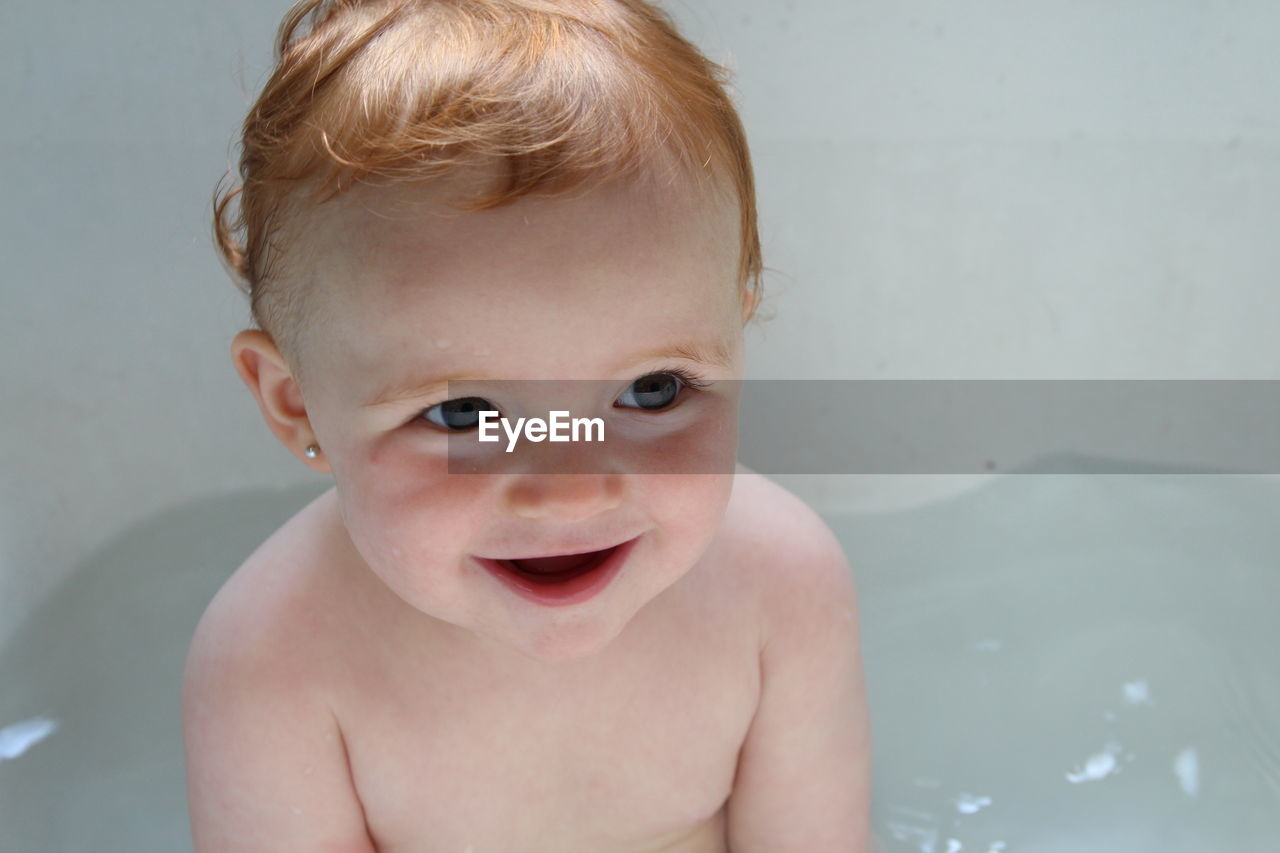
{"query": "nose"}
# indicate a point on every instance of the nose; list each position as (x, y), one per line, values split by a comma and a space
(566, 497)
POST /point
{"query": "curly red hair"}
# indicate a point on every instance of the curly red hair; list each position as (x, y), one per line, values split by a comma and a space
(564, 93)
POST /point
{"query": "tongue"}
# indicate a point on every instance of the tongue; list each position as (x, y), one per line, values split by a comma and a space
(551, 565)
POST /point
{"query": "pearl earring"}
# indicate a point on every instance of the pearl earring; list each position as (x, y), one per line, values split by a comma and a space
(312, 451)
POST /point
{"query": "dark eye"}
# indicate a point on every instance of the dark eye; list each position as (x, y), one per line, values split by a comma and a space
(652, 392)
(458, 415)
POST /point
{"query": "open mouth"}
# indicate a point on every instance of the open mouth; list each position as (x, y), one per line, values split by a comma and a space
(552, 570)
(564, 579)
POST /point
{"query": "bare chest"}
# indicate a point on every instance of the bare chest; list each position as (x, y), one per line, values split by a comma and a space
(637, 756)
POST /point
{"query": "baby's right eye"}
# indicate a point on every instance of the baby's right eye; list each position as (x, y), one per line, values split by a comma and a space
(458, 415)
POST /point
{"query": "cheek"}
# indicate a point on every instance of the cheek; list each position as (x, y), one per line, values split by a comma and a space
(709, 450)
(700, 439)
(688, 508)
(402, 506)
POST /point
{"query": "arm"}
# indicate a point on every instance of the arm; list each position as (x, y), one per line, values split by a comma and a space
(803, 779)
(266, 764)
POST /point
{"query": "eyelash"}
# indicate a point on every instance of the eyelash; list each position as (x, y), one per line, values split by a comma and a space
(687, 379)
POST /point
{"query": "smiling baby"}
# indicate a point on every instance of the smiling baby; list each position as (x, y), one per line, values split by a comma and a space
(448, 207)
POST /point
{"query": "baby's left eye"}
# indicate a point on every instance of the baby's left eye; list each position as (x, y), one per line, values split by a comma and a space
(656, 391)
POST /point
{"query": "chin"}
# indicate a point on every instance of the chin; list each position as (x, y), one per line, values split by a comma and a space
(568, 643)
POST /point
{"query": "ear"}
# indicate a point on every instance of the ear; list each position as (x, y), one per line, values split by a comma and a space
(748, 305)
(264, 370)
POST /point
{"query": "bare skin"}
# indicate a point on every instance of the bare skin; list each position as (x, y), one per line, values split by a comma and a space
(363, 682)
(633, 750)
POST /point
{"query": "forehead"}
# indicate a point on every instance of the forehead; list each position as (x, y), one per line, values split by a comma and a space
(369, 223)
(399, 261)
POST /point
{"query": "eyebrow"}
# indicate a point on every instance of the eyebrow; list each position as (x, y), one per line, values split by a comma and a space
(715, 354)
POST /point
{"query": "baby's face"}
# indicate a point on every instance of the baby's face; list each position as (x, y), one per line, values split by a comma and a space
(414, 299)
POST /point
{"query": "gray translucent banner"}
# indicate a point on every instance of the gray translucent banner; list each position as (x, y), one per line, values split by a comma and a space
(870, 426)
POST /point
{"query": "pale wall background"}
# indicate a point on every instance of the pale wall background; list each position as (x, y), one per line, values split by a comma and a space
(947, 190)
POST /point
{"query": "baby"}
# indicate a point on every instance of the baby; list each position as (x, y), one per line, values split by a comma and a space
(631, 646)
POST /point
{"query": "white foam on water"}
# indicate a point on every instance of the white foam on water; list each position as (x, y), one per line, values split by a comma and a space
(1186, 766)
(1100, 765)
(971, 803)
(1137, 692)
(19, 737)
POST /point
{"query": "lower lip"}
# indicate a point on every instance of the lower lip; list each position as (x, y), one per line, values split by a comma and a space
(573, 591)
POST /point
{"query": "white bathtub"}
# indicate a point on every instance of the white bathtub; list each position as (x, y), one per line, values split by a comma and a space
(1056, 663)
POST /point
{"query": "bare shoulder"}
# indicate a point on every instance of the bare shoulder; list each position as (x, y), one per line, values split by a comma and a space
(266, 762)
(260, 631)
(803, 778)
(276, 624)
(757, 499)
(272, 598)
(785, 548)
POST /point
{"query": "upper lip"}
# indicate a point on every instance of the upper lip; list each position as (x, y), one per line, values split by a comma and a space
(566, 551)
